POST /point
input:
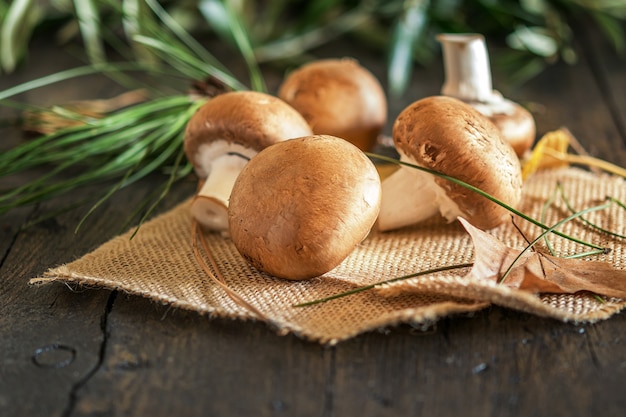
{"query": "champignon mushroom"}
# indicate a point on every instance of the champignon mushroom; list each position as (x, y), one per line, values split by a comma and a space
(223, 135)
(300, 207)
(449, 136)
(338, 97)
(468, 78)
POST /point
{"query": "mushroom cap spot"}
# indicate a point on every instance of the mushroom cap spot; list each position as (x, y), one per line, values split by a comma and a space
(300, 207)
(338, 97)
(246, 118)
(449, 136)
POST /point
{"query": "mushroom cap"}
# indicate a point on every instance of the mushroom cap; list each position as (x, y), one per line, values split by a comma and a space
(517, 128)
(516, 124)
(245, 119)
(300, 207)
(449, 136)
(338, 97)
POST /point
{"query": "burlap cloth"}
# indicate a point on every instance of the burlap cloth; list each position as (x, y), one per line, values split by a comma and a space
(158, 263)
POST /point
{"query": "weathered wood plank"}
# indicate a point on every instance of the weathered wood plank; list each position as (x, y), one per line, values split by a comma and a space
(54, 324)
(585, 99)
(52, 336)
(133, 357)
(202, 367)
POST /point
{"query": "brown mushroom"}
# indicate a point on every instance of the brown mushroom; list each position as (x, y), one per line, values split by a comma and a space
(468, 78)
(451, 137)
(300, 207)
(223, 135)
(338, 97)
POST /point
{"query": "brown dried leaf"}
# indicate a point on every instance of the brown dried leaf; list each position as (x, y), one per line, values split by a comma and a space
(539, 272)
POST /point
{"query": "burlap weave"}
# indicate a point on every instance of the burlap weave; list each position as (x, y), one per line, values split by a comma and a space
(159, 264)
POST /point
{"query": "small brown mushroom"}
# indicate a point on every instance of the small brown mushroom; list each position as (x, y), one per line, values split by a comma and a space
(338, 97)
(223, 135)
(468, 78)
(300, 207)
(449, 136)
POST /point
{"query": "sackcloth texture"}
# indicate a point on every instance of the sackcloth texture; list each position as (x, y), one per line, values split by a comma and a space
(158, 263)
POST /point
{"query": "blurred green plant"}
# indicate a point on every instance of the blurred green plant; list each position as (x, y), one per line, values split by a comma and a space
(85, 145)
(535, 33)
(160, 39)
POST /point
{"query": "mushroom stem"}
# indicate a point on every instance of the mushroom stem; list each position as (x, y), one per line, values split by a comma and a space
(410, 196)
(468, 78)
(210, 206)
(467, 68)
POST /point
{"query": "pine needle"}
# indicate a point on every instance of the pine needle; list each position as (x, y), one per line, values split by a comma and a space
(385, 282)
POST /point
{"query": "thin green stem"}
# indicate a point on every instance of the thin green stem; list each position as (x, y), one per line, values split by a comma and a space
(104, 198)
(487, 196)
(242, 40)
(550, 230)
(175, 175)
(388, 281)
(181, 33)
(70, 74)
(589, 223)
(544, 213)
(197, 68)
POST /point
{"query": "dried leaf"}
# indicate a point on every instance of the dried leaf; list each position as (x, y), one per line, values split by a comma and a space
(541, 158)
(76, 113)
(538, 272)
(551, 151)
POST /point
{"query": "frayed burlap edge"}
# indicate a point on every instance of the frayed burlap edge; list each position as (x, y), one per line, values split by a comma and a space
(577, 308)
(428, 310)
(158, 264)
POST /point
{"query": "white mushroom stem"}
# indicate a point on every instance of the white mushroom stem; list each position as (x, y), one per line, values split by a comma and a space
(410, 196)
(468, 78)
(467, 68)
(210, 206)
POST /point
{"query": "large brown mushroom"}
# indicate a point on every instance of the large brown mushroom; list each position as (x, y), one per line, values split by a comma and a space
(338, 97)
(451, 137)
(468, 78)
(223, 135)
(300, 207)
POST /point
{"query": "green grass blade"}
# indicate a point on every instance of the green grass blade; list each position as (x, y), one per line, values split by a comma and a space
(552, 229)
(135, 20)
(407, 31)
(242, 40)
(487, 196)
(70, 74)
(89, 23)
(199, 68)
(103, 199)
(15, 31)
(175, 175)
(388, 281)
(183, 35)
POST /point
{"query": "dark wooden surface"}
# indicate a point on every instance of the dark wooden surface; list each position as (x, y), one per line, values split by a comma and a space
(78, 352)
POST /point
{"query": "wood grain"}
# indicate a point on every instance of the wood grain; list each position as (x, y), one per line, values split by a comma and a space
(84, 352)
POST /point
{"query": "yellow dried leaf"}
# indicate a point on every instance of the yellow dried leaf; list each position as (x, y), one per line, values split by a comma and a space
(542, 155)
(551, 152)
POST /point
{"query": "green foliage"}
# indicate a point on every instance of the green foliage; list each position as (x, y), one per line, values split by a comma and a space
(123, 145)
(536, 32)
(161, 38)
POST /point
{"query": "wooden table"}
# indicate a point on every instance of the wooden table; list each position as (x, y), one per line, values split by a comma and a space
(74, 352)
